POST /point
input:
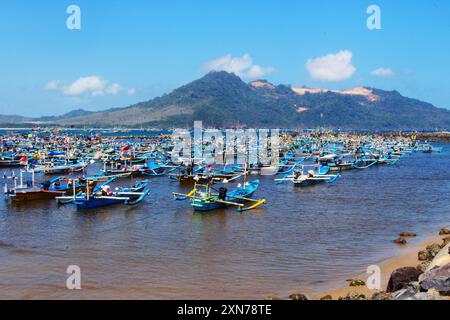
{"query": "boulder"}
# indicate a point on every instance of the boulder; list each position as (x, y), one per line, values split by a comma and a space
(437, 278)
(407, 293)
(410, 293)
(383, 295)
(401, 277)
(400, 241)
(353, 296)
(429, 295)
(357, 283)
(444, 231)
(433, 249)
(445, 241)
(423, 265)
(326, 297)
(424, 255)
(407, 234)
(298, 296)
(442, 258)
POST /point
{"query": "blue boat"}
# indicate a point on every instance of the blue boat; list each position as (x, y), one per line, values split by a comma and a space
(203, 198)
(310, 175)
(103, 196)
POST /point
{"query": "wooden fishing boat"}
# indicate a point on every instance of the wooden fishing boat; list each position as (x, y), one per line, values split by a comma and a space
(47, 190)
(205, 198)
(189, 175)
(263, 170)
(336, 162)
(11, 163)
(59, 168)
(105, 196)
(310, 175)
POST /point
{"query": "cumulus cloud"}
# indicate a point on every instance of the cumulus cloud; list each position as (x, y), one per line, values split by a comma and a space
(382, 72)
(92, 85)
(331, 67)
(240, 66)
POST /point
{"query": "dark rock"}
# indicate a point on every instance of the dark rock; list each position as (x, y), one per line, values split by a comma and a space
(433, 249)
(357, 283)
(407, 293)
(401, 277)
(381, 296)
(424, 255)
(353, 296)
(437, 278)
(423, 265)
(444, 231)
(327, 297)
(400, 241)
(298, 296)
(445, 241)
(408, 234)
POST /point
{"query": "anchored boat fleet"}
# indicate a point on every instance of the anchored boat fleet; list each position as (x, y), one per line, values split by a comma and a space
(91, 171)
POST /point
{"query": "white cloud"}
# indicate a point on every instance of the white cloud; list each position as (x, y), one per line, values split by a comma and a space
(92, 85)
(240, 66)
(382, 72)
(131, 91)
(52, 85)
(332, 67)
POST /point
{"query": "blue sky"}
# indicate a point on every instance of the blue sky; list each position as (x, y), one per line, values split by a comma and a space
(131, 51)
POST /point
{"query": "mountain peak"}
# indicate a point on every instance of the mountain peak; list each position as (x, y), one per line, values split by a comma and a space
(221, 75)
(222, 99)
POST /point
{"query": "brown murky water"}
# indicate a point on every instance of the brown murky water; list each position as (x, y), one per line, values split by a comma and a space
(302, 238)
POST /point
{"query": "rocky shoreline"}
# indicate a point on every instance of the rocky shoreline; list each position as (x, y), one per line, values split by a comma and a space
(421, 275)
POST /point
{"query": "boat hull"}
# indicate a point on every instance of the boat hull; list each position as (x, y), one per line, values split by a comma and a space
(96, 203)
(202, 206)
(24, 196)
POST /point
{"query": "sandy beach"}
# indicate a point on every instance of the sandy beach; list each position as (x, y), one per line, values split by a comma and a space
(407, 259)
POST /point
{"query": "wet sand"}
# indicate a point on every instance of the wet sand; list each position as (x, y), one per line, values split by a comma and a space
(407, 259)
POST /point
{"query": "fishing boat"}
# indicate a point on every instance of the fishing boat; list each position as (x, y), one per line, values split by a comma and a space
(49, 189)
(336, 162)
(206, 198)
(370, 160)
(59, 168)
(13, 162)
(104, 195)
(152, 168)
(189, 175)
(310, 175)
(428, 148)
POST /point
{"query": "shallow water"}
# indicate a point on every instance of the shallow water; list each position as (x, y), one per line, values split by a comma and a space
(303, 238)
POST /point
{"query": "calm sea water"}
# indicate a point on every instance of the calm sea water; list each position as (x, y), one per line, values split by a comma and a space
(302, 238)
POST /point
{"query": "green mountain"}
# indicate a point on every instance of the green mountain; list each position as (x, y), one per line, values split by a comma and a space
(221, 99)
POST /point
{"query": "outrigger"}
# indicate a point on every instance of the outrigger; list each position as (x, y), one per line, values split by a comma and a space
(206, 198)
(309, 175)
(102, 195)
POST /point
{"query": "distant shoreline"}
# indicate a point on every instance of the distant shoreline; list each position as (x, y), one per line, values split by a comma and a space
(437, 136)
